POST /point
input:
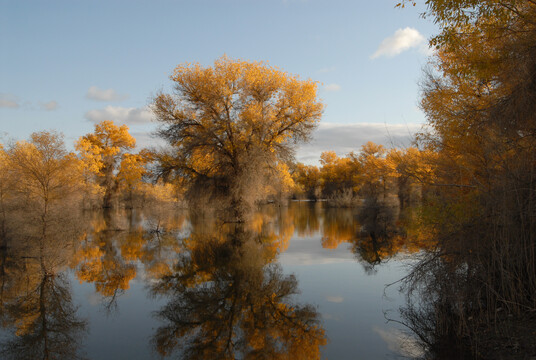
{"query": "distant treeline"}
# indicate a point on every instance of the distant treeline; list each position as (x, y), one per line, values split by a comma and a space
(106, 172)
(372, 173)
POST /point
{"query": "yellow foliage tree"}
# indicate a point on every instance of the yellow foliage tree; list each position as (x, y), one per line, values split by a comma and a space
(375, 170)
(307, 180)
(336, 173)
(106, 157)
(231, 123)
(414, 170)
(7, 182)
(40, 173)
(480, 100)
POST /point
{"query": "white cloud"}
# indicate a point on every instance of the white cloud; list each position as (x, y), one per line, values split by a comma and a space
(93, 298)
(94, 93)
(402, 40)
(296, 259)
(332, 87)
(49, 106)
(121, 115)
(9, 101)
(344, 138)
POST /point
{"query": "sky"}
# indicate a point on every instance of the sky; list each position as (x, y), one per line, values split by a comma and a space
(65, 65)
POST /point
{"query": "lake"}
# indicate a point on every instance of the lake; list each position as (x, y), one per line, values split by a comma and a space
(293, 281)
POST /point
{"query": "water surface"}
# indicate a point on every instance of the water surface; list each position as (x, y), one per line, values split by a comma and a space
(294, 281)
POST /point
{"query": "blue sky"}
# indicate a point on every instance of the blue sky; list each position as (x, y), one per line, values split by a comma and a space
(67, 64)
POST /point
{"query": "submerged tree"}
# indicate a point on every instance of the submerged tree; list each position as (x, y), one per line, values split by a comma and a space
(231, 124)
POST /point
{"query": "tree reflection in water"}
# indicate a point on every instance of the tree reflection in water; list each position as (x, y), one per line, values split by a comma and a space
(119, 243)
(45, 319)
(36, 303)
(379, 237)
(99, 261)
(438, 309)
(227, 298)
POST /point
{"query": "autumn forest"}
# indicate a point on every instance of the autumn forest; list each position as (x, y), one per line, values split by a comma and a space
(204, 221)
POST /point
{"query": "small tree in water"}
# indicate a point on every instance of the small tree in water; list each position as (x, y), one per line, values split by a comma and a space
(230, 125)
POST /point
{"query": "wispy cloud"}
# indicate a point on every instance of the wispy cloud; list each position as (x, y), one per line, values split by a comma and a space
(9, 101)
(344, 138)
(402, 40)
(94, 93)
(146, 139)
(14, 102)
(327, 316)
(49, 106)
(332, 87)
(326, 70)
(121, 115)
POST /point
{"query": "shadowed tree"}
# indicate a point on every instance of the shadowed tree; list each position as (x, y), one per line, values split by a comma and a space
(479, 95)
(7, 196)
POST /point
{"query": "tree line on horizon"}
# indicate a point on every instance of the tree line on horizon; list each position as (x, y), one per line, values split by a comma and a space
(109, 173)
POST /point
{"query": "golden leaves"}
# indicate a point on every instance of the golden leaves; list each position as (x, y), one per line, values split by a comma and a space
(233, 115)
(107, 164)
(43, 169)
(107, 141)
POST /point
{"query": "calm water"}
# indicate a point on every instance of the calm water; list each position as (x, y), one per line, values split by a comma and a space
(141, 284)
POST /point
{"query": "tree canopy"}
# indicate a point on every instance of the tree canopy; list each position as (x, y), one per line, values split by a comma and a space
(232, 123)
(479, 96)
(106, 156)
